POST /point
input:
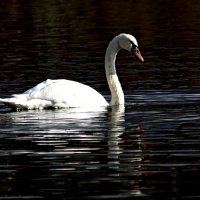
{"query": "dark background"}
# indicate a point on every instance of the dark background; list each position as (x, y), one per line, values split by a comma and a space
(152, 150)
(68, 39)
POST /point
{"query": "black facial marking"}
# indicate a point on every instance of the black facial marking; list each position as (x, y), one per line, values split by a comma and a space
(133, 45)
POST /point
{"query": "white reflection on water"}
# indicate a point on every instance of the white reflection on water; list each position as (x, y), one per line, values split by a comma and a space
(116, 129)
(121, 147)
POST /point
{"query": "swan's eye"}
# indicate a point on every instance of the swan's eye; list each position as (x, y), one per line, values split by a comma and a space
(133, 45)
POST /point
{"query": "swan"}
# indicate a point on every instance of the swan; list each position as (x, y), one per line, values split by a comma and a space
(63, 93)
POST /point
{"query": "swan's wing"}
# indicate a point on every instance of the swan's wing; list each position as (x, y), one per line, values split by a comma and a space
(66, 93)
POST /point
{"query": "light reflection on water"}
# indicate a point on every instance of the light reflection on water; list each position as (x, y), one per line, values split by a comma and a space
(105, 154)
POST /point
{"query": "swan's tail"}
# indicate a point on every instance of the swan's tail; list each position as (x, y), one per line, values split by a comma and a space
(22, 102)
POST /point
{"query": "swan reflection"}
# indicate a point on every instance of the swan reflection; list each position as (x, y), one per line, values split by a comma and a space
(73, 143)
(115, 130)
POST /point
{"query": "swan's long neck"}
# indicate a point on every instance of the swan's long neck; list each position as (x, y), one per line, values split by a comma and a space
(117, 95)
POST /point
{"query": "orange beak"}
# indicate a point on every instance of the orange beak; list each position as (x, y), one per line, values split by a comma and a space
(135, 51)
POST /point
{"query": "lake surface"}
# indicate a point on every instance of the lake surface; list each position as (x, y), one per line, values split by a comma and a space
(148, 150)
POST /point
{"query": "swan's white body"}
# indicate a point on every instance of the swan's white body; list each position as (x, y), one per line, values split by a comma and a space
(68, 94)
(51, 93)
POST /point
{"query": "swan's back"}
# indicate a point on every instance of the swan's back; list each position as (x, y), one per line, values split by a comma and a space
(69, 92)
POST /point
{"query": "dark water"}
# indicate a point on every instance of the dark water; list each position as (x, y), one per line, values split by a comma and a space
(149, 151)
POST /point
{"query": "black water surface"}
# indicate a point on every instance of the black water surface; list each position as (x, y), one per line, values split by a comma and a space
(150, 150)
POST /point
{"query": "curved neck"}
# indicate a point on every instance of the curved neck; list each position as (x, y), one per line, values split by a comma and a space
(117, 95)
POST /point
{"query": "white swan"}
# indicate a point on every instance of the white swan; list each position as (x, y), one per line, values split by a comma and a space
(65, 93)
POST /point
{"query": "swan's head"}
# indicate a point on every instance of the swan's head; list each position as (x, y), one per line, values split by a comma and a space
(129, 43)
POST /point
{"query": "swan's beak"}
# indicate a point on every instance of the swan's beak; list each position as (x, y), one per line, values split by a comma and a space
(135, 51)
